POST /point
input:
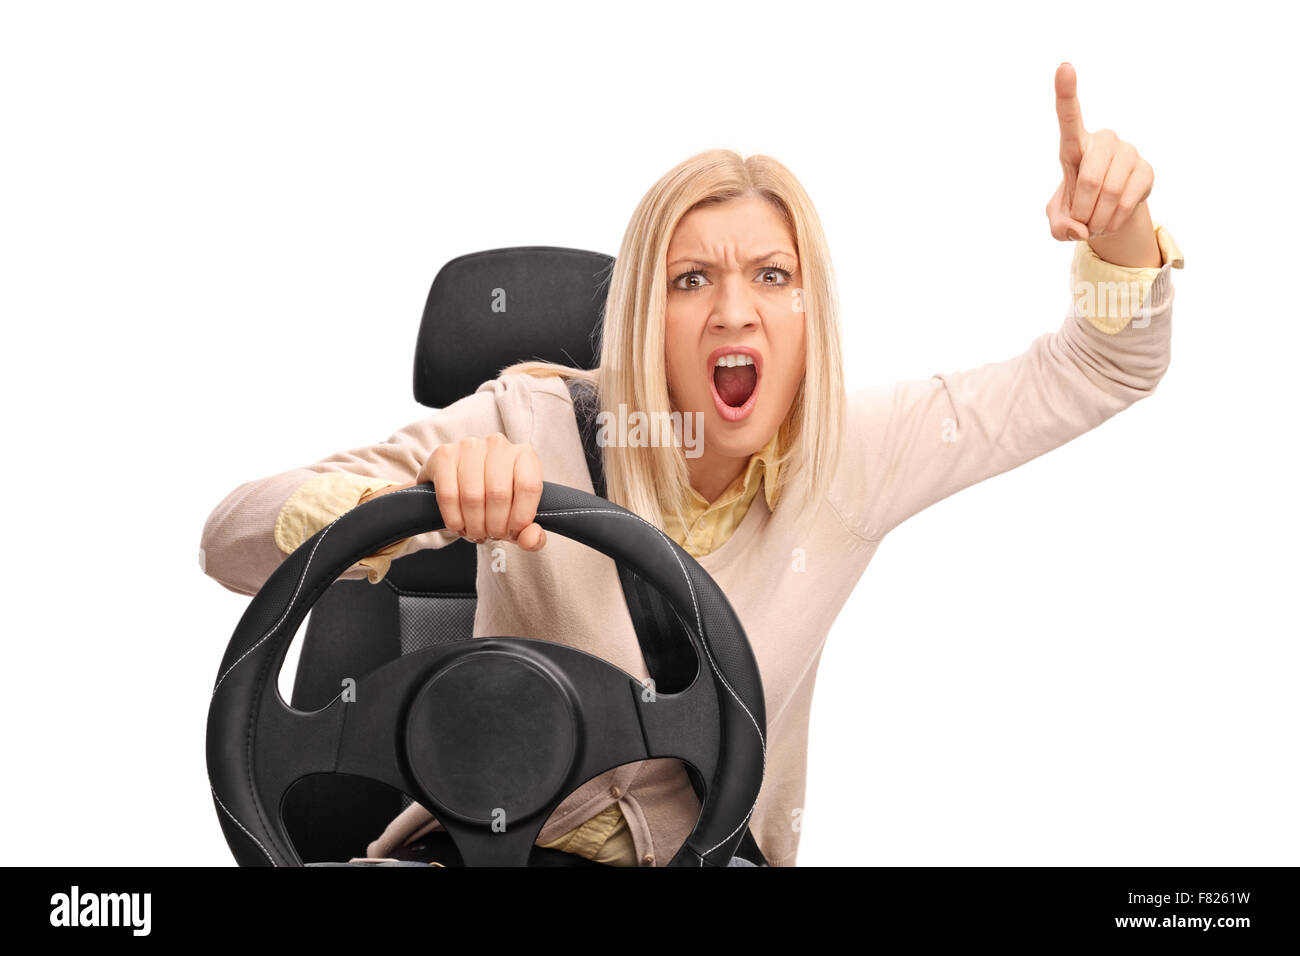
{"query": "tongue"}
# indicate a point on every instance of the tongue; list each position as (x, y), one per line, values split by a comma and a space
(735, 384)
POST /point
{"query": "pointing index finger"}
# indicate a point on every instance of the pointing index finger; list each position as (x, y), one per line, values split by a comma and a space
(1068, 112)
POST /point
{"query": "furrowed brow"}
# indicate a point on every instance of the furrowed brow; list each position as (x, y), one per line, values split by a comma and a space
(755, 261)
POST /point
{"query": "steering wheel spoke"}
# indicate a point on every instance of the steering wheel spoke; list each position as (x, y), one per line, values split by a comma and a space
(682, 725)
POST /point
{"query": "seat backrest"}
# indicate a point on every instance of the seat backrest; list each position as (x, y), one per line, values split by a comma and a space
(485, 311)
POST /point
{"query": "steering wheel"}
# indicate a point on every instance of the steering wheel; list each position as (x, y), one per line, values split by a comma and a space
(490, 734)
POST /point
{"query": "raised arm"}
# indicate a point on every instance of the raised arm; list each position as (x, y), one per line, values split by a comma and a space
(915, 442)
(262, 521)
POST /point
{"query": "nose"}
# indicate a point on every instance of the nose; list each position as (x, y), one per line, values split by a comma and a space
(734, 307)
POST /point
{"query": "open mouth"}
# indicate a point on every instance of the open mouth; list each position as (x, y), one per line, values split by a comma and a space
(735, 374)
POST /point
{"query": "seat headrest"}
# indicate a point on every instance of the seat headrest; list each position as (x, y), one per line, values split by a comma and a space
(487, 310)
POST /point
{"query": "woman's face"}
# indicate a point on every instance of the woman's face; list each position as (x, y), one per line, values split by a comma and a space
(733, 280)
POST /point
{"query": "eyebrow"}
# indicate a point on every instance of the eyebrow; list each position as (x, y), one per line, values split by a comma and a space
(754, 261)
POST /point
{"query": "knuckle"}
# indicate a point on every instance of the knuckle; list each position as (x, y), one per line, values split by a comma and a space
(449, 507)
(497, 495)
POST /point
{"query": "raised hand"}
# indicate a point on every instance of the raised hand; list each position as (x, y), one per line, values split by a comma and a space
(1105, 180)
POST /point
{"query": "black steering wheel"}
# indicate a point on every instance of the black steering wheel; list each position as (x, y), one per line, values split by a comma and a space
(489, 734)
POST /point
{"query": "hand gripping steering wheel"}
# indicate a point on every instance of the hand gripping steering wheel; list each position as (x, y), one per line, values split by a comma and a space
(490, 734)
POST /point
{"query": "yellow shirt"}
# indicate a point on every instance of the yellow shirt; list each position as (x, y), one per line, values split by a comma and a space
(1107, 295)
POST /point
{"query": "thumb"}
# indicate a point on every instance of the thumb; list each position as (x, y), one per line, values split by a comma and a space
(1063, 226)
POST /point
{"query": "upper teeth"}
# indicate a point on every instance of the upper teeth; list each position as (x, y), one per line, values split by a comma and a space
(730, 361)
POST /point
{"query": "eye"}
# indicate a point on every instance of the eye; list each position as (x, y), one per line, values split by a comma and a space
(692, 274)
(767, 270)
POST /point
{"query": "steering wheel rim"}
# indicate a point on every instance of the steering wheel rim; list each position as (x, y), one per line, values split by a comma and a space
(258, 746)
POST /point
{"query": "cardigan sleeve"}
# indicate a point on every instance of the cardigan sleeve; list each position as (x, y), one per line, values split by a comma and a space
(1109, 296)
(915, 442)
(262, 521)
(322, 498)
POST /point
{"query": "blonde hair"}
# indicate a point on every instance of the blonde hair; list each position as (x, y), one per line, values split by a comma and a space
(632, 369)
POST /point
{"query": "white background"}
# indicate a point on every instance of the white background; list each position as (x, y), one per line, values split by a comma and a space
(219, 227)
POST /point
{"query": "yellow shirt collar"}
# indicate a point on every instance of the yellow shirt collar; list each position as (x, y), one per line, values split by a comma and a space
(708, 525)
(762, 467)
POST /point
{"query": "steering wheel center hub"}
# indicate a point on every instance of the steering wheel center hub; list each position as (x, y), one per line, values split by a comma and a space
(492, 737)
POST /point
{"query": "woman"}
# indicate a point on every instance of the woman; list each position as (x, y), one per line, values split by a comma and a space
(722, 305)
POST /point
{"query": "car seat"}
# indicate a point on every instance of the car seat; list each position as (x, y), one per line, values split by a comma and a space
(485, 311)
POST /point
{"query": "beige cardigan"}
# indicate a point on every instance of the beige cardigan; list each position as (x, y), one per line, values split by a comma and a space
(907, 446)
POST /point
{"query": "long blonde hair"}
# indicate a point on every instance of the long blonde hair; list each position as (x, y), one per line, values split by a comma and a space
(632, 371)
